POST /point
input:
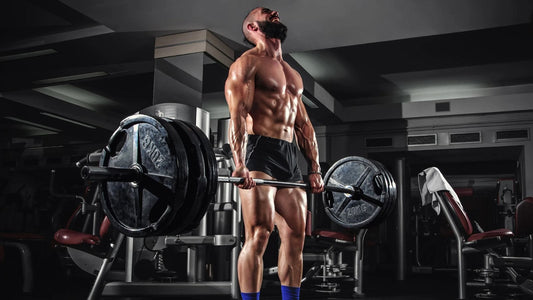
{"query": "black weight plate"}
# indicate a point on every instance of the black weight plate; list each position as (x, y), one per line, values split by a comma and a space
(391, 187)
(187, 215)
(386, 186)
(386, 189)
(392, 191)
(143, 142)
(346, 212)
(177, 224)
(386, 204)
(211, 170)
(383, 181)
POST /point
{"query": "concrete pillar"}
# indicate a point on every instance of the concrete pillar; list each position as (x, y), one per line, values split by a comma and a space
(179, 75)
(179, 65)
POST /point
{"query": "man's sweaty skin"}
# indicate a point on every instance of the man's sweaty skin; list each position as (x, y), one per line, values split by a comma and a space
(264, 98)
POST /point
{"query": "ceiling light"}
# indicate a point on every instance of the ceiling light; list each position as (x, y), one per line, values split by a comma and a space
(44, 147)
(33, 124)
(77, 96)
(70, 78)
(27, 55)
(67, 120)
(444, 92)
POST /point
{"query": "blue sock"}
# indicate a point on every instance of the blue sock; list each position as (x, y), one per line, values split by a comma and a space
(290, 293)
(250, 296)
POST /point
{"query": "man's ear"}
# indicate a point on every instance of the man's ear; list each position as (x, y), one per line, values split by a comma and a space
(251, 27)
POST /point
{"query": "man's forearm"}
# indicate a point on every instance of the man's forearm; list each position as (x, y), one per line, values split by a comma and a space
(308, 144)
(238, 141)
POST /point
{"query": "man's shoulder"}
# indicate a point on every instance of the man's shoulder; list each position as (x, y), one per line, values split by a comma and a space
(248, 60)
(248, 56)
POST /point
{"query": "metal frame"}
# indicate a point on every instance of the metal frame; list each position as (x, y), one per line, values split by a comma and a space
(193, 287)
(358, 262)
(357, 246)
(26, 263)
(460, 243)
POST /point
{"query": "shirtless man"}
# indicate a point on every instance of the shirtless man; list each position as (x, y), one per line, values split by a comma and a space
(264, 95)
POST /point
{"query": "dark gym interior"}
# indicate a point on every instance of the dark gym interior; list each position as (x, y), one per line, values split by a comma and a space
(434, 97)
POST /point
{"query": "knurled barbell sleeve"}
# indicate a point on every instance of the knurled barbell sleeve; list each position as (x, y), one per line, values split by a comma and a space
(109, 174)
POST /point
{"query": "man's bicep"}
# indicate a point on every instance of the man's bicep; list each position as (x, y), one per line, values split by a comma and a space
(236, 96)
(238, 90)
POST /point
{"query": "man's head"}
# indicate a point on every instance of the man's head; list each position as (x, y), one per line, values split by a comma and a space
(263, 20)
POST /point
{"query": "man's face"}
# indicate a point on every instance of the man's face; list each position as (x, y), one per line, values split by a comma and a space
(266, 14)
(269, 23)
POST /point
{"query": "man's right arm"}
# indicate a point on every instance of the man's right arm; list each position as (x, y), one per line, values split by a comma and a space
(239, 91)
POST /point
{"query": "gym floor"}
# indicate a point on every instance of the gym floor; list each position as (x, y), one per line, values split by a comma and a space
(419, 287)
(53, 280)
(377, 286)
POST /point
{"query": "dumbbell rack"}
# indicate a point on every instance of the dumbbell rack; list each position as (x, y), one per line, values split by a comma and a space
(192, 287)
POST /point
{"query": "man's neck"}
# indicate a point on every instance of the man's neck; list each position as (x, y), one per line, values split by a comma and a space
(271, 48)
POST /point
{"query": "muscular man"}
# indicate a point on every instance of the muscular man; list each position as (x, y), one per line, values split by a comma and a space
(264, 95)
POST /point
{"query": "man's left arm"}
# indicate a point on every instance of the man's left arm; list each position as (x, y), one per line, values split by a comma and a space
(305, 134)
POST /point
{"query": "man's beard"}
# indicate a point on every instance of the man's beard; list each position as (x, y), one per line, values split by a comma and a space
(273, 30)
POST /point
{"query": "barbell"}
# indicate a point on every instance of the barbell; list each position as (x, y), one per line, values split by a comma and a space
(160, 175)
(354, 192)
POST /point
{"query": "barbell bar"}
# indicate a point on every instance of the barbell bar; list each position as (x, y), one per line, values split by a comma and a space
(135, 174)
(355, 192)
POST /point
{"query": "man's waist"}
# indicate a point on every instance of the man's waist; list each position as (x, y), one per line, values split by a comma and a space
(254, 138)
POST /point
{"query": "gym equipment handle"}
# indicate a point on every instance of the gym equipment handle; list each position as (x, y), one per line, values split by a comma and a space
(355, 192)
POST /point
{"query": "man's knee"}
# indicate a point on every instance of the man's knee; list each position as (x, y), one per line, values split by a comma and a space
(292, 231)
(293, 241)
(259, 239)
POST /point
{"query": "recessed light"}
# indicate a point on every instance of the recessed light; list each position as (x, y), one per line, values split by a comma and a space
(67, 120)
(27, 55)
(32, 124)
(70, 78)
(77, 96)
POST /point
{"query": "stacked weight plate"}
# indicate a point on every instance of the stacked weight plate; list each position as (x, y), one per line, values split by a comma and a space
(372, 180)
(390, 190)
(148, 205)
(176, 182)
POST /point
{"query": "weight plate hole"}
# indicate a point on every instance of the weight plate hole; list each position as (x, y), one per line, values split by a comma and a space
(117, 143)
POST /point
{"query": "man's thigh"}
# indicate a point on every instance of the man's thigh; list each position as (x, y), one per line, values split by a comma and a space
(291, 210)
(258, 203)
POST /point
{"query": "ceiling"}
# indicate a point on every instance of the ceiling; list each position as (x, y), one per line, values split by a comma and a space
(360, 51)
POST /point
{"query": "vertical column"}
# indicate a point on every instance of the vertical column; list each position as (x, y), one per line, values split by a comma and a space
(401, 219)
(179, 65)
(179, 79)
(527, 170)
(179, 76)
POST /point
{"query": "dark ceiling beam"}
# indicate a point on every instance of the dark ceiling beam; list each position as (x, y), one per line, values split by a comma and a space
(112, 70)
(17, 80)
(53, 38)
(48, 104)
(63, 11)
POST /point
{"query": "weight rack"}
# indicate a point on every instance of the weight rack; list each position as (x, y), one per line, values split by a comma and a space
(193, 287)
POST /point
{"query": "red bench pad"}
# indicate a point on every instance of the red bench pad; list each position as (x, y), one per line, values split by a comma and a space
(503, 232)
(71, 237)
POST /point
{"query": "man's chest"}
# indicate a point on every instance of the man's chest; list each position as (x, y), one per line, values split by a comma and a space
(276, 77)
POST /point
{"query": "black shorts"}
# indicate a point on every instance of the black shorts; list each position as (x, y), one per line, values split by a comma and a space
(275, 157)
